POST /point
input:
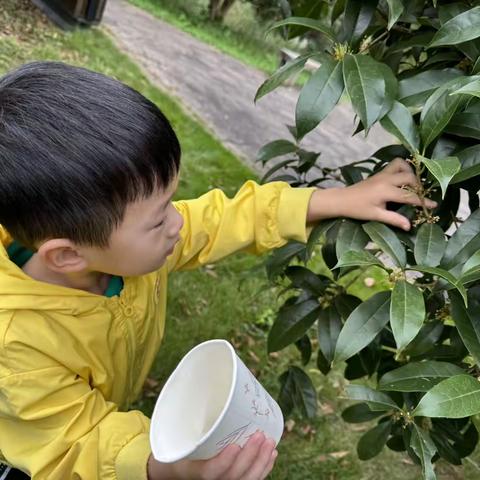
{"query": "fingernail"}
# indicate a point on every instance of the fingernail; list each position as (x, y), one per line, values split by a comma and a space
(274, 454)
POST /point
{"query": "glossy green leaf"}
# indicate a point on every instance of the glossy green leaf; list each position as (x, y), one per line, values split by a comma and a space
(470, 164)
(292, 323)
(476, 67)
(443, 169)
(372, 442)
(424, 448)
(395, 9)
(350, 237)
(297, 391)
(356, 19)
(461, 28)
(440, 272)
(275, 149)
(430, 245)
(407, 312)
(418, 376)
(354, 258)
(377, 401)
(283, 73)
(472, 88)
(306, 22)
(467, 325)
(386, 239)
(399, 122)
(455, 397)
(305, 279)
(465, 124)
(281, 257)
(414, 91)
(440, 108)
(304, 346)
(472, 262)
(328, 329)
(463, 243)
(359, 413)
(366, 87)
(363, 325)
(319, 95)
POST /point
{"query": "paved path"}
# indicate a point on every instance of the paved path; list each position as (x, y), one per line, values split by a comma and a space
(220, 90)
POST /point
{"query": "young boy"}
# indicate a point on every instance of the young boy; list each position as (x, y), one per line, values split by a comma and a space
(88, 169)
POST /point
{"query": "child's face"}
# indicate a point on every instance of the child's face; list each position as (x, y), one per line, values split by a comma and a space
(146, 237)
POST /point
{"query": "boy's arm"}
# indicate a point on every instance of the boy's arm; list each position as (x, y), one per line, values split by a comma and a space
(261, 218)
(367, 200)
(257, 219)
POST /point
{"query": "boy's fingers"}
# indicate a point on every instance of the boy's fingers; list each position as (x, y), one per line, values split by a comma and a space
(270, 465)
(261, 462)
(405, 178)
(217, 466)
(410, 198)
(393, 218)
(398, 165)
(247, 456)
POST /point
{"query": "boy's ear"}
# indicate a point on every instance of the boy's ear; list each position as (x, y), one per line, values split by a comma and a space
(62, 255)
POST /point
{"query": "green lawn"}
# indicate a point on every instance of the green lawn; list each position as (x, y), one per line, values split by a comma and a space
(230, 300)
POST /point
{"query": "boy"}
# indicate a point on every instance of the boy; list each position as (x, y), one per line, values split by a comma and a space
(88, 168)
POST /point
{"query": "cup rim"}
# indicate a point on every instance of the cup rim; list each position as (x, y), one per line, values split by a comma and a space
(186, 453)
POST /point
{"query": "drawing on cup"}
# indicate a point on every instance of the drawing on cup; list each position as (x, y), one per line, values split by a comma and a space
(232, 437)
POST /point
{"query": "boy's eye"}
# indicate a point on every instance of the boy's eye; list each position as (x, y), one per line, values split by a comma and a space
(159, 224)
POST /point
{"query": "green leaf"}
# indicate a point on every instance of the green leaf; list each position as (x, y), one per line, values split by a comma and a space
(472, 88)
(353, 258)
(304, 346)
(440, 108)
(281, 257)
(407, 312)
(356, 19)
(297, 390)
(282, 74)
(306, 22)
(386, 239)
(418, 376)
(472, 262)
(275, 149)
(377, 401)
(443, 170)
(471, 275)
(305, 279)
(440, 272)
(363, 325)
(470, 164)
(459, 29)
(476, 67)
(455, 397)
(319, 95)
(359, 413)
(366, 87)
(430, 245)
(399, 122)
(292, 323)
(328, 327)
(372, 442)
(414, 91)
(424, 448)
(463, 243)
(350, 237)
(467, 325)
(465, 124)
(395, 8)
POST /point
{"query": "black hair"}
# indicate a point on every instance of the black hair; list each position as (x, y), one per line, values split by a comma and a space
(75, 148)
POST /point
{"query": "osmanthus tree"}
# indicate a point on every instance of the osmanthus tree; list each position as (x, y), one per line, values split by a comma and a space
(413, 66)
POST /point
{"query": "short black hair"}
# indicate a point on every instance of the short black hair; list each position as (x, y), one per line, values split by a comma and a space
(76, 147)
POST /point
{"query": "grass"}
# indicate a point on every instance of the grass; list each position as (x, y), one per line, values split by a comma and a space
(231, 299)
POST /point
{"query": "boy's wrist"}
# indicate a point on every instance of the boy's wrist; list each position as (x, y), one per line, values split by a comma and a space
(326, 203)
(183, 470)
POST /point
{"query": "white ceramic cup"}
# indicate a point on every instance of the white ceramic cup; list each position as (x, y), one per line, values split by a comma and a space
(210, 401)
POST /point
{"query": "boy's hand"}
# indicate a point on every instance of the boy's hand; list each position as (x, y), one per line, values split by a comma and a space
(252, 462)
(367, 200)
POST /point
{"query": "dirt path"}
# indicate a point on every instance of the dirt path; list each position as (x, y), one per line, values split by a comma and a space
(220, 90)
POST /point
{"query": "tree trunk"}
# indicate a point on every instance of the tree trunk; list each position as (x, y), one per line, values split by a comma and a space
(217, 9)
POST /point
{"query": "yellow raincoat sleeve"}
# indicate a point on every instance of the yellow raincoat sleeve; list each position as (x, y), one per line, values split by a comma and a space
(257, 219)
(55, 426)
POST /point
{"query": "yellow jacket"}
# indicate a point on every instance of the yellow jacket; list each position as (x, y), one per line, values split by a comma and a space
(71, 362)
